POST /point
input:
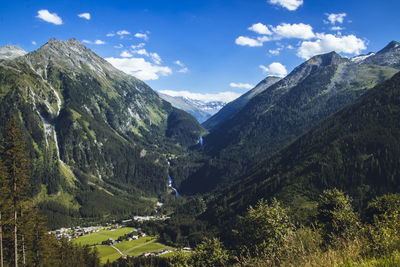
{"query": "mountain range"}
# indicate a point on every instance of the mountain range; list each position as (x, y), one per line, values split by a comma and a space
(286, 110)
(103, 144)
(201, 110)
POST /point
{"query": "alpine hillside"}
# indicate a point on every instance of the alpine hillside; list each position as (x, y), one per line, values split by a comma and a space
(98, 138)
(285, 110)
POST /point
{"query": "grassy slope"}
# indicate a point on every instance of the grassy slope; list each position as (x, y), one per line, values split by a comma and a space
(97, 238)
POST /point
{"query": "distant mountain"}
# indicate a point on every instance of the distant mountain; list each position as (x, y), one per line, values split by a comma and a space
(199, 109)
(283, 112)
(11, 51)
(94, 133)
(355, 150)
(236, 105)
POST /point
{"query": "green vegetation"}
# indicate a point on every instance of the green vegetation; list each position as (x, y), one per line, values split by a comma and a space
(103, 235)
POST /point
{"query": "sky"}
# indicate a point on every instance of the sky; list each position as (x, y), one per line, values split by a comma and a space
(212, 49)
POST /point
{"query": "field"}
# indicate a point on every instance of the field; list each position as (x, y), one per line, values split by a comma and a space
(97, 238)
(131, 248)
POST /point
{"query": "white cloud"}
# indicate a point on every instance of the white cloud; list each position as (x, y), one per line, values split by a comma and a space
(138, 46)
(290, 47)
(241, 85)
(141, 52)
(348, 44)
(289, 4)
(34, 43)
(276, 51)
(84, 16)
(142, 36)
(139, 68)
(110, 34)
(97, 42)
(337, 28)
(119, 46)
(123, 32)
(179, 63)
(45, 15)
(333, 18)
(223, 96)
(125, 54)
(275, 69)
(243, 41)
(282, 31)
(260, 28)
(299, 31)
(183, 70)
(156, 58)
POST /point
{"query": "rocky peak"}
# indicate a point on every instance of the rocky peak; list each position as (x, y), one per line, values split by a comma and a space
(70, 55)
(388, 56)
(11, 51)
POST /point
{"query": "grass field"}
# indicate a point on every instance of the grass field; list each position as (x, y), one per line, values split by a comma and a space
(132, 248)
(97, 238)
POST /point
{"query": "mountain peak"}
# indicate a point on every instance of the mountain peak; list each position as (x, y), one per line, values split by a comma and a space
(11, 51)
(390, 46)
(388, 56)
(325, 59)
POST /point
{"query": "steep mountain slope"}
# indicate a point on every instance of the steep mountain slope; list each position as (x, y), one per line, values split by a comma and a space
(197, 111)
(355, 150)
(284, 111)
(235, 106)
(93, 132)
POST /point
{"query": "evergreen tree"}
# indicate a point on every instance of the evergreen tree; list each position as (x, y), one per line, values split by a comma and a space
(16, 164)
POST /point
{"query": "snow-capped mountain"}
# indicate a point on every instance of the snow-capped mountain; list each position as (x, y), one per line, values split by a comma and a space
(199, 109)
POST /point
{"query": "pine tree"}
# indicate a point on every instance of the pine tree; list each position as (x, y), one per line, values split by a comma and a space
(16, 164)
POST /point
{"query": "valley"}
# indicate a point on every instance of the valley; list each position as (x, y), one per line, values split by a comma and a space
(309, 158)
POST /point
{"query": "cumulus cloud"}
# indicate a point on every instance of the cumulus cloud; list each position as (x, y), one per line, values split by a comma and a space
(142, 36)
(337, 28)
(97, 42)
(140, 68)
(110, 34)
(275, 69)
(84, 16)
(325, 43)
(299, 31)
(282, 31)
(260, 28)
(289, 4)
(241, 85)
(333, 18)
(34, 43)
(45, 15)
(223, 96)
(246, 41)
(183, 70)
(123, 32)
(125, 54)
(138, 46)
(276, 51)
(141, 52)
(119, 46)
(156, 58)
(180, 64)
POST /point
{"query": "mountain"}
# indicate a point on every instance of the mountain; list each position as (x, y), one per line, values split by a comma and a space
(11, 51)
(284, 111)
(233, 107)
(388, 56)
(355, 150)
(199, 109)
(98, 138)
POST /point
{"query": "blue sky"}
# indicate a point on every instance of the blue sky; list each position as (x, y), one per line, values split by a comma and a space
(205, 46)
